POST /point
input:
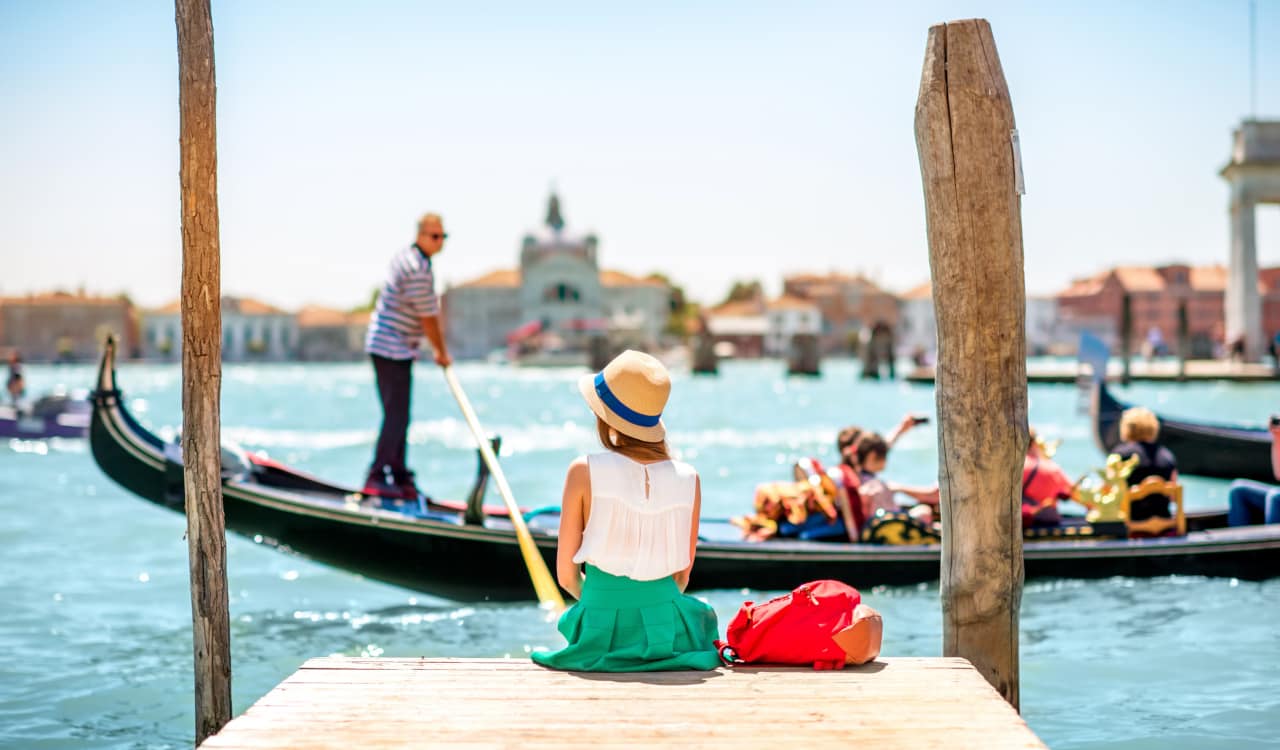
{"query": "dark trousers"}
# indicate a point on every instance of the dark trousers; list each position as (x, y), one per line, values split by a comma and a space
(395, 382)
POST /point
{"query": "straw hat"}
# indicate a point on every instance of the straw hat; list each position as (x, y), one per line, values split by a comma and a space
(629, 394)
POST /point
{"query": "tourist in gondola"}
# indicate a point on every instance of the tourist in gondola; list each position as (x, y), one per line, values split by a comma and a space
(1139, 431)
(1250, 502)
(1044, 483)
(629, 515)
(15, 385)
(847, 473)
(877, 493)
(407, 311)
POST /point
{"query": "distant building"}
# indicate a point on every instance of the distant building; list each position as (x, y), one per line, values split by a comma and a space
(558, 293)
(739, 327)
(1155, 297)
(918, 327)
(251, 331)
(60, 326)
(326, 334)
(849, 304)
(788, 316)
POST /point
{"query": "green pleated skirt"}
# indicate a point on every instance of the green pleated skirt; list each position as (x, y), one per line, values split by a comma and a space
(624, 625)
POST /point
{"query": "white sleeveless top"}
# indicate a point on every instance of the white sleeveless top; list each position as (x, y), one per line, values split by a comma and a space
(628, 533)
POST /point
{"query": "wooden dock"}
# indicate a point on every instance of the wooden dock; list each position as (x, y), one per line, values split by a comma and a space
(1139, 371)
(384, 703)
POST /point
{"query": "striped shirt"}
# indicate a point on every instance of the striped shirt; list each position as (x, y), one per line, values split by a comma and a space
(407, 296)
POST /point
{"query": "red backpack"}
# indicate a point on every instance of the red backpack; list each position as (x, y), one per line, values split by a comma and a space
(822, 623)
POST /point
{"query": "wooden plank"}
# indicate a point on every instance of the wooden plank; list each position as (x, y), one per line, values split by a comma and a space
(377, 703)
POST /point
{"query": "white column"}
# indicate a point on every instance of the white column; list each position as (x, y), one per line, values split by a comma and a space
(1242, 308)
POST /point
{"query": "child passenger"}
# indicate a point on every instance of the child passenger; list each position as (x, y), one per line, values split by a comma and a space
(628, 531)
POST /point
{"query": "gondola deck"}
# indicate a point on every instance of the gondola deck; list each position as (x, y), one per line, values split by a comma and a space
(431, 547)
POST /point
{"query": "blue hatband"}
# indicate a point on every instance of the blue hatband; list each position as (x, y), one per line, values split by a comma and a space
(619, 408)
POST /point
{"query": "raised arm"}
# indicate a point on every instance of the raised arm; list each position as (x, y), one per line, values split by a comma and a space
(908, 421)
(573, 519)
(682, 577)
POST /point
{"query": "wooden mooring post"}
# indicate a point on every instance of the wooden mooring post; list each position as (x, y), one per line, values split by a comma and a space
(202, 367)
(969, 163)
(1126, 337)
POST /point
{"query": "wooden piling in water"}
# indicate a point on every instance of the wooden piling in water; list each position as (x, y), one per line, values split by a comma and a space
(1184, 340)
(1126, 336)
(966, 138)
(202, 367)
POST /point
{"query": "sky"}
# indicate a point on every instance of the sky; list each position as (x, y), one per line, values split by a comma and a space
(711, 141)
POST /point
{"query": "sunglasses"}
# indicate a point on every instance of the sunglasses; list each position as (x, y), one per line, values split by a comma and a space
(441, 236)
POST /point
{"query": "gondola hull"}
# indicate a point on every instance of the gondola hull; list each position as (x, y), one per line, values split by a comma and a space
(71, 424)
(1206, 450)
(429, 547)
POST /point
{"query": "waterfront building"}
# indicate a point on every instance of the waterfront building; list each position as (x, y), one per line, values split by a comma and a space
(848, 305)
(327, 334)
(917, 331)
(559, 293)
(61, 326)
(786, 317)
(1155, 296)
(251, 331)
(738, 328)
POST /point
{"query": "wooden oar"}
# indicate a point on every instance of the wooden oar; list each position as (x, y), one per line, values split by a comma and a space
(543, 584)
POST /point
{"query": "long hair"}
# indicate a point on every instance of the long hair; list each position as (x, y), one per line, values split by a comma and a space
(638, 450)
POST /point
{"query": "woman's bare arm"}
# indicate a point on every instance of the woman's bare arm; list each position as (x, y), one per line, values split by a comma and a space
(682, 577)
(573, 519)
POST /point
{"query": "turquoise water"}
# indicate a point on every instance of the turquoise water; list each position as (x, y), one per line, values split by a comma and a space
(95, 641)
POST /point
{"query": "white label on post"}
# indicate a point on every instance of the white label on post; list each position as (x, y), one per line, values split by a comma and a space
(1018, 184)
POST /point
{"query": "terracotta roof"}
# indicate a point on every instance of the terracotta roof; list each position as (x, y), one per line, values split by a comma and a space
(60, 298)
(830, 282)
(250, 306)
(505, 277)
(242, 305)
(1086, 287)
(737, 308)
(1139, 278)
(315, 316)
(924, 291)
(791, 302)
(1209, 278)
(620, 278)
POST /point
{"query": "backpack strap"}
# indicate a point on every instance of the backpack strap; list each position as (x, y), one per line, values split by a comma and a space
(851, 492)
(727, 655)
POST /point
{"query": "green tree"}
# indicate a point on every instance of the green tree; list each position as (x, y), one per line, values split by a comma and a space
(745, 291)
(679, 311)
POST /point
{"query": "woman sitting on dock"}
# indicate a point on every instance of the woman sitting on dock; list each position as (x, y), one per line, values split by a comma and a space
(630, 515)
(1139, 429)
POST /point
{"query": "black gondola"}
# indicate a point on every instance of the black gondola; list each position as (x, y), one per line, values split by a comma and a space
(431, 547)
(1206, 450)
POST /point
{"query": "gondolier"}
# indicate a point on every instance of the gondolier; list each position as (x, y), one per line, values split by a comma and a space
(407, 311)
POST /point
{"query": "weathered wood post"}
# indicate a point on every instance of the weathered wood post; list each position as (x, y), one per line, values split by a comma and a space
(202, 368)
(1184, 340)
(1126, 335)
(972, 183)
